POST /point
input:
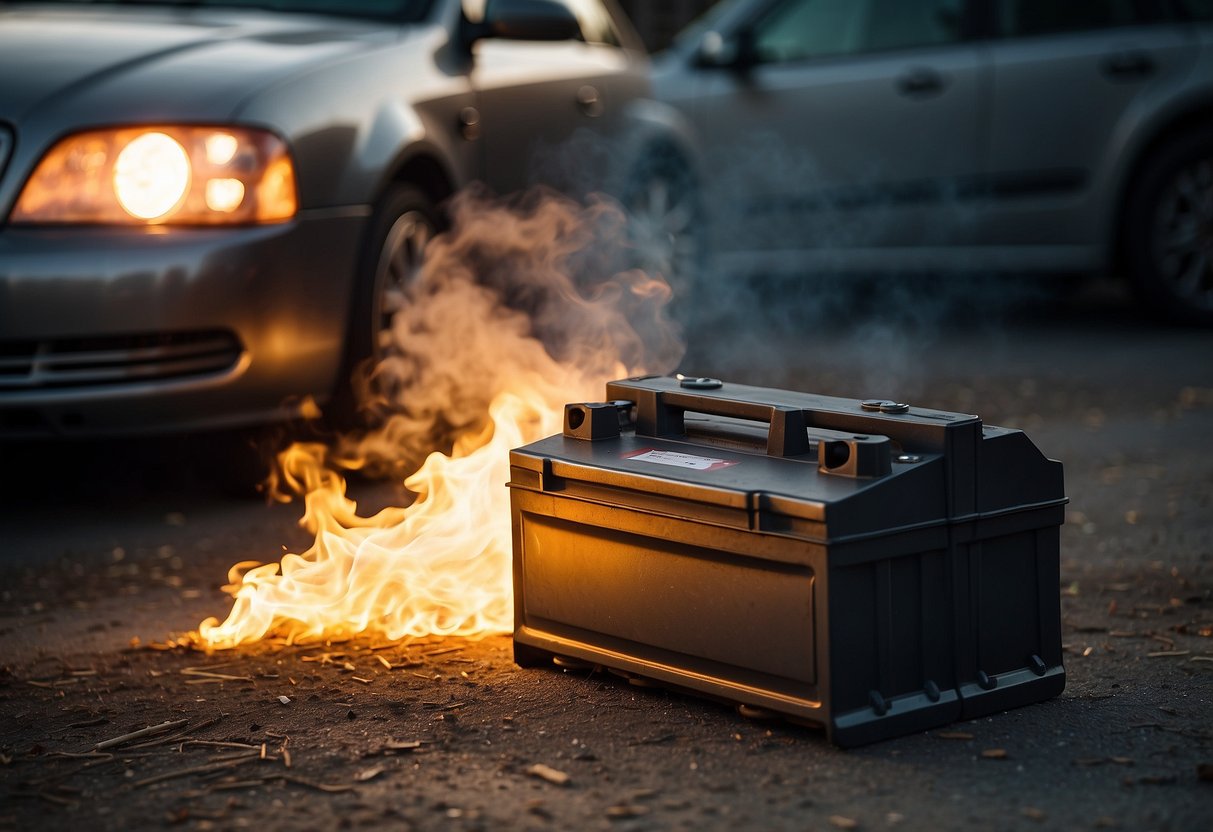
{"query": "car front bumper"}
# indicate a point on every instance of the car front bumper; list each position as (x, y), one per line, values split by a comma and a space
(144, 330)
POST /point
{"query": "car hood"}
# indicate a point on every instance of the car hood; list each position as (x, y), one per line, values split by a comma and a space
(120, 63)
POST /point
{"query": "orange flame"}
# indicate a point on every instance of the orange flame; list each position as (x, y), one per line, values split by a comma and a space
(509, 319)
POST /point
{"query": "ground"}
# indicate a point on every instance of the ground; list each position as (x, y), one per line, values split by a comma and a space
(109, 548)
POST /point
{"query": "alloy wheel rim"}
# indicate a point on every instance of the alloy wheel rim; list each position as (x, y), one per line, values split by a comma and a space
(1183, 235)
(661, 225)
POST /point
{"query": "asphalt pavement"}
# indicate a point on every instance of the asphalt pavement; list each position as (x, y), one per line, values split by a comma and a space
(107, 547)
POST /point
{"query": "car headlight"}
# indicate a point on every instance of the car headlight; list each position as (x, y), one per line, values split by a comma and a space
(162, 176)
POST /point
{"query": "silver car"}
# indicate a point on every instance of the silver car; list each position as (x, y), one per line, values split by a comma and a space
(1049, 136)
(206, 207)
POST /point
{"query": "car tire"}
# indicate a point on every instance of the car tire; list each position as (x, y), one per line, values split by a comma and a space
(403, 222)
(1168, 231)
(665, 221)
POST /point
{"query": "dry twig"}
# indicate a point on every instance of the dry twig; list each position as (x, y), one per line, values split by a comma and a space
(218, 744)
(149, 731)
(442, 651)
(169, 740)
(553, 776)
(204, 768)
(320, 787)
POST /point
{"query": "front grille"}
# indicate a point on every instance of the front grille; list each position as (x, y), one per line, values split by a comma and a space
(114, 359)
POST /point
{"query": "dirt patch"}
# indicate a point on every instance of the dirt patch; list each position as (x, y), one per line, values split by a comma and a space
(450, 733)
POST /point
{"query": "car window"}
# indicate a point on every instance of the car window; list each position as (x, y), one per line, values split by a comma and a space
(798, 29)
(597, 25)
(1024, 18)
(898, 24)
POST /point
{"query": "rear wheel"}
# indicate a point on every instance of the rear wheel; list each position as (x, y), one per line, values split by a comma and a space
(665, 220)
(1169, 229)
(404, 222)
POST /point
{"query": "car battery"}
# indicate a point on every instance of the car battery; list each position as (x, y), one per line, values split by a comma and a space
(868, 567)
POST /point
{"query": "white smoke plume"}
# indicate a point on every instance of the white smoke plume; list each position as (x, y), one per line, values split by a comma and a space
(520, 307)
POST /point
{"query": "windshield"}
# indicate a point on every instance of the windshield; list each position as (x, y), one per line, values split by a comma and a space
(401, 10)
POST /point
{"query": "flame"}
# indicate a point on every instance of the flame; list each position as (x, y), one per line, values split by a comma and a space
(510, 318)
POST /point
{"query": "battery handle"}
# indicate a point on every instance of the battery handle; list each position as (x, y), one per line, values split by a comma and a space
(787, 432)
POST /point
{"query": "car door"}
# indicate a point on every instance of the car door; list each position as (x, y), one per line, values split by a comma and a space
(1069, 80)
(544, 107)
(842, 130)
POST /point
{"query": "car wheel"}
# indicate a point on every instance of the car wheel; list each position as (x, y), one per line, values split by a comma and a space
(1169, 229)
(404, 222)
(665, 221)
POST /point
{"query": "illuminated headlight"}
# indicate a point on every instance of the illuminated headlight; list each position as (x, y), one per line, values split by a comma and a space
(162, 175)
(151, 176)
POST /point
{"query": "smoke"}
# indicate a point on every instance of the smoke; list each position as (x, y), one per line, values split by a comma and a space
(521, 306)
(781, 296)
(535, 288)
(833, 284)
(809, 280)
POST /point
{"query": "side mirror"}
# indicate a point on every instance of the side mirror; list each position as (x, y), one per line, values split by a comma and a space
(527, 20)
(737, 53)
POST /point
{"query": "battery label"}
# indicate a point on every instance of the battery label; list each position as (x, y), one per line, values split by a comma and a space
(677, 460)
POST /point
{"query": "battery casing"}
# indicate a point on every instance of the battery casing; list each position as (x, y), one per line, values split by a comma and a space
(862, 566)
